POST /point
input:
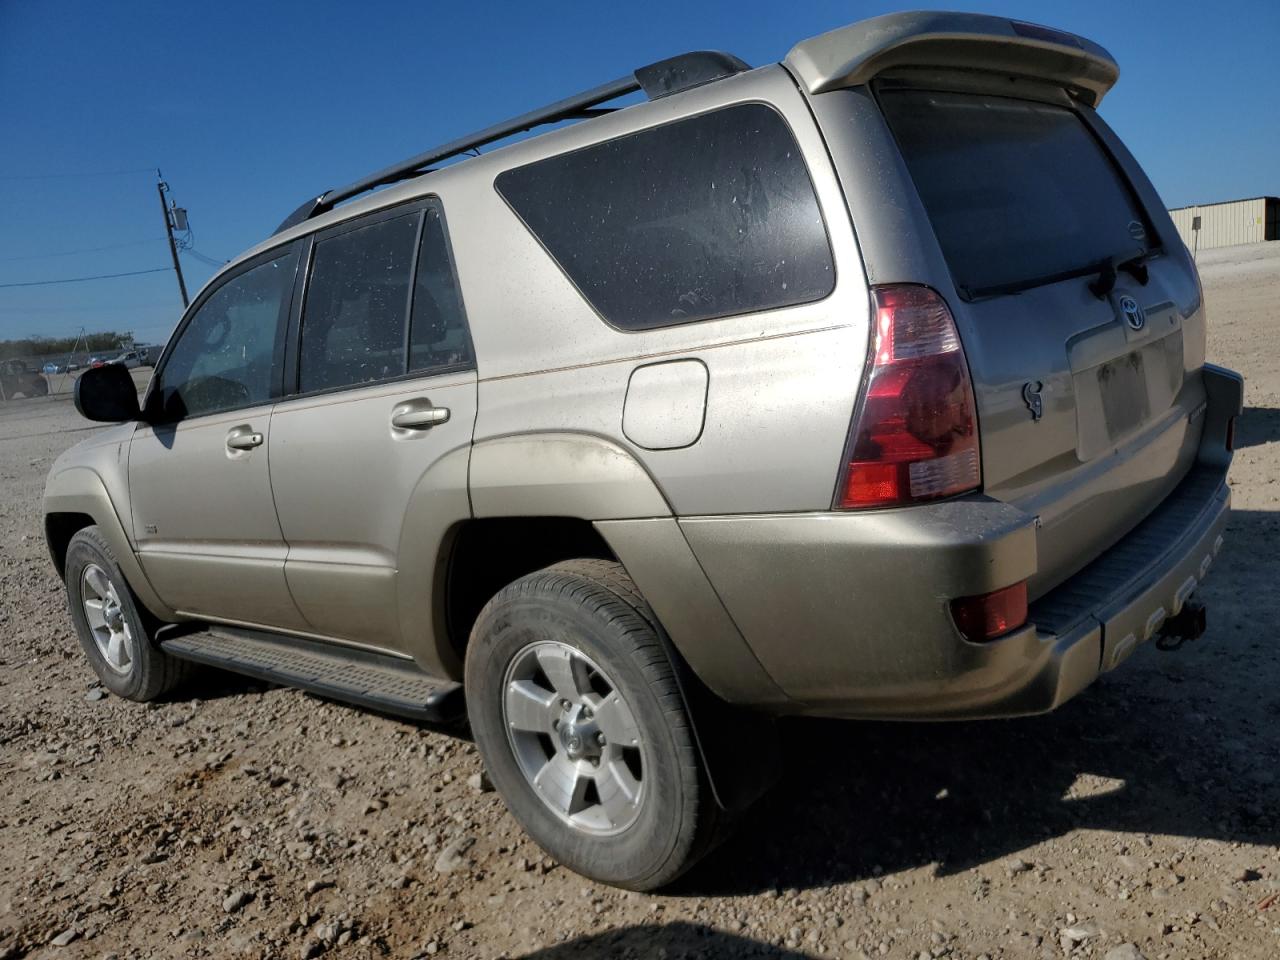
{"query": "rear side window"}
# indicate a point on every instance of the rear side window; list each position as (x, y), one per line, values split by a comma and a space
(357, 306)
(701, 218)
(438, 337)
(1019, 193)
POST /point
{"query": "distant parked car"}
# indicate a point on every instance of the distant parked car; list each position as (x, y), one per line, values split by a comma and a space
(52, 368)
(19, 380)
(130, 359)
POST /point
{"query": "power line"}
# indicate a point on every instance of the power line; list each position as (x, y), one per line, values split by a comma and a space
(77, 176)
(101, 276)
(69, 253)
(204, 258)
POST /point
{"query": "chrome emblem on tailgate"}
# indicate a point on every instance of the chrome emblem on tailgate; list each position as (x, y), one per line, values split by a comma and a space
(1132, 313)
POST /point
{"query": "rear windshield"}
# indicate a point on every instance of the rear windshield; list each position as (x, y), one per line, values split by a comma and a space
(1019, 193)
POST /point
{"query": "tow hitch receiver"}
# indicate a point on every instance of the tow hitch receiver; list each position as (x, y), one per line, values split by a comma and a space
(1188, 624)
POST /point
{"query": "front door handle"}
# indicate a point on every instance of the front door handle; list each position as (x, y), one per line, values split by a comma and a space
(418, 415)
(242, 438)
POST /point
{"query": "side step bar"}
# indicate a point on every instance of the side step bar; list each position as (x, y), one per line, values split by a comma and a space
(377, 681)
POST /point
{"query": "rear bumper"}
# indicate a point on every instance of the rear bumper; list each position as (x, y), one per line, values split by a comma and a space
(849, 613)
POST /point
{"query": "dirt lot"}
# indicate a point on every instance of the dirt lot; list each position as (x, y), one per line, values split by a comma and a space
(1141, 820)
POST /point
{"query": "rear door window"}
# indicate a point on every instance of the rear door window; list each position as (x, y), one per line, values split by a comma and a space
(706, 217)
(357, 306)
(1019, 192)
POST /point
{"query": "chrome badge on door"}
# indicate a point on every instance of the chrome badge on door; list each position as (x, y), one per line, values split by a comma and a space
(1132, 313)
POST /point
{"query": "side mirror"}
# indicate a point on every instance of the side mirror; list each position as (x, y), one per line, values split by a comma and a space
(107, 393)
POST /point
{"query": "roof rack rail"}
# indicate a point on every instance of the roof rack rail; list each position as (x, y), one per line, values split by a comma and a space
(659, 79)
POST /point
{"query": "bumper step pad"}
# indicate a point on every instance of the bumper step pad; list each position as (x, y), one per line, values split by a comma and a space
(379, 682)
(1143, 548)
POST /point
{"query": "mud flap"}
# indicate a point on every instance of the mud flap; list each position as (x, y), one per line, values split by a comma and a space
(739, 747)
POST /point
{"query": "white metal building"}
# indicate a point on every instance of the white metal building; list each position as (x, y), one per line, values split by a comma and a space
(1227, 224)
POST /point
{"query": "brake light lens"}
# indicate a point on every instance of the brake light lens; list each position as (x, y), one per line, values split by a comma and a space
(990, 615)
(916, 436)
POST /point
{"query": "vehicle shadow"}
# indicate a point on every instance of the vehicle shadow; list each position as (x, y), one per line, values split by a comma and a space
(1257, 426)
(679, 939)
(1183, 743)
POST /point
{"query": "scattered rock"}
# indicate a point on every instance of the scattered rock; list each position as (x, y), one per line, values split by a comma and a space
(454, 855)
(315, 886)
(1017, 865)
(95, 694)
(236, 901)
(479, 782)
(1126, 951)
(1080, 932)
(65, 937)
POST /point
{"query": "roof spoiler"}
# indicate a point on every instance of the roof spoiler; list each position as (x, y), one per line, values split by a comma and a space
(854, 54)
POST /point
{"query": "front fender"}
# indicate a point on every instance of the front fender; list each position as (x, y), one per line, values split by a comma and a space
(82, 490)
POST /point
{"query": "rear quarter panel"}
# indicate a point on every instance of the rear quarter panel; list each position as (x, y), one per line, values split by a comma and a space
(781, 384)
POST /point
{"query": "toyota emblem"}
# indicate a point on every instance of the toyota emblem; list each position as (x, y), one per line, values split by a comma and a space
(1132, 313)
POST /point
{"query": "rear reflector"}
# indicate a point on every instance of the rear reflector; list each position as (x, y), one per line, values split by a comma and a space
(916, 436)
(988, 616)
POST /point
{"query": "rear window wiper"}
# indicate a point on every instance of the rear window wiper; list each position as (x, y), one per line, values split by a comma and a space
(1108, 270)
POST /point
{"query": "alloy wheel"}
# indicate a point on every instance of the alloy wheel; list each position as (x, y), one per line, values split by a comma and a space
(106, 618)
(574, 737)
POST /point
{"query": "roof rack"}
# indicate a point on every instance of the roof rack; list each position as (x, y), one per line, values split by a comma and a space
(657, 80)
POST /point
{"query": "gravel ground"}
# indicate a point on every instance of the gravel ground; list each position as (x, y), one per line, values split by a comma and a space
(1138, 821)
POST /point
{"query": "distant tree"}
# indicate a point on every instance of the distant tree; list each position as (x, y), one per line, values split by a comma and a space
(40, 346)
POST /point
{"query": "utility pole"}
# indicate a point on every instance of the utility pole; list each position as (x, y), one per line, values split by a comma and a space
(170, 210)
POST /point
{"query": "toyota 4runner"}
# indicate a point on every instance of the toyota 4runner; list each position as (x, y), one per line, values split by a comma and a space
(871, 383)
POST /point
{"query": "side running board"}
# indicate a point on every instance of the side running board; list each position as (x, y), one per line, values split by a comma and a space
(377, 681)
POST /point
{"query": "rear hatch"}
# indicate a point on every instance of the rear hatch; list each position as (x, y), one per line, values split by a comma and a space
(1084, 334)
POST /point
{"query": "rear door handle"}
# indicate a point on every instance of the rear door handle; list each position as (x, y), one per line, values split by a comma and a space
(418, 415)
(242, 438)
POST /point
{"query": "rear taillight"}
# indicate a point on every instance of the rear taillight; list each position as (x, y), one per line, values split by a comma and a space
(916, 435)
(988, 616)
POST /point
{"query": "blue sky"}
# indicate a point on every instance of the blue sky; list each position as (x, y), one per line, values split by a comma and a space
(250, 107)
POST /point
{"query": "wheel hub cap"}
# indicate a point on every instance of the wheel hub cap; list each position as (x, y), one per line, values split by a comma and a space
(574, 737)
(581, 739)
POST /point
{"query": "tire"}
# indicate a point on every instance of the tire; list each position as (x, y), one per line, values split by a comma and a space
(118, 642)
(589, 614)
